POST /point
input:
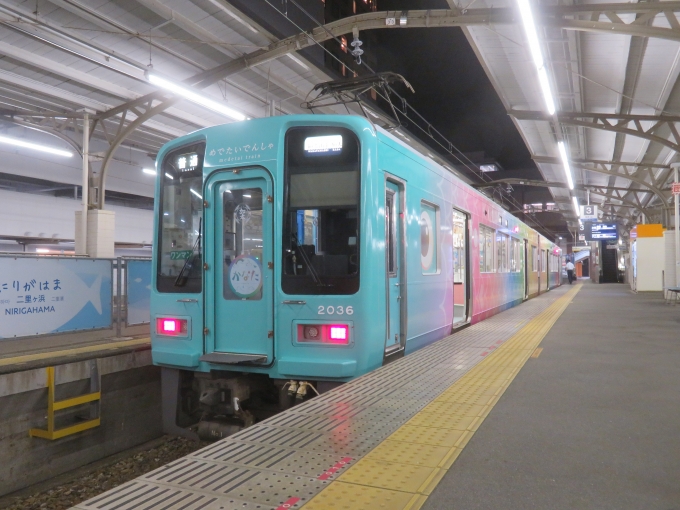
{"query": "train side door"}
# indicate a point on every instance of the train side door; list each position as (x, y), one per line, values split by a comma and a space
(240, 283)
(461, 279)
(395, 268)
(526, 269)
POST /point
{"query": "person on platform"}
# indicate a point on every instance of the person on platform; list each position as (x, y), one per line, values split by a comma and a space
(570, 271)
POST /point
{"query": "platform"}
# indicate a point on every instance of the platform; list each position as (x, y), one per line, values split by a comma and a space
(47, 350)
(317, 453)
(589, 422)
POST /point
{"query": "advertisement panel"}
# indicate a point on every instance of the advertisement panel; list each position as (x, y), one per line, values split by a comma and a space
(138, 291)
(51, 295)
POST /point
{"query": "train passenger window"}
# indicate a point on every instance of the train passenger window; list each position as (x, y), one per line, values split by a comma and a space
(515, 256)
(181, 221)
(534, 259)
(321, 211)
(486, 235)
(502, 253)
(429, 246)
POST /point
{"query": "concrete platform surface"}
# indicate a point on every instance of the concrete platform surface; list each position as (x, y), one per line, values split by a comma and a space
(592, 423)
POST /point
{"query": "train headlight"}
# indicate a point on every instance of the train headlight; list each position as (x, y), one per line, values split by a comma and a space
(311, 332)
(169, 326)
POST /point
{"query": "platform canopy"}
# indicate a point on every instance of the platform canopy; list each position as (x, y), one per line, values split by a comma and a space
(612, 69)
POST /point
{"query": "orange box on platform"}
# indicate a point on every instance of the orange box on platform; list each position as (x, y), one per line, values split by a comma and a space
(650, 230)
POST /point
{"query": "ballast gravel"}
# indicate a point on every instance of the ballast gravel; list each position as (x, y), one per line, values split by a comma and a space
(105, 477)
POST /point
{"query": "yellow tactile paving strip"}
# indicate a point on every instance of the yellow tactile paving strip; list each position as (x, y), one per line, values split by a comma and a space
(403, 470)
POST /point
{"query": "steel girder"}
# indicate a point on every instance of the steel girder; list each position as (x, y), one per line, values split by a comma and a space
(562, 17)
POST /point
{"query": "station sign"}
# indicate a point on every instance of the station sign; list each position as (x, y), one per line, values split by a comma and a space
(589, 212)
(675, 188)
(51, 295)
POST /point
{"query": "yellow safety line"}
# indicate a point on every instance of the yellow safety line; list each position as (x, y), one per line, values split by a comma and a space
(403, 470)
(16, 360)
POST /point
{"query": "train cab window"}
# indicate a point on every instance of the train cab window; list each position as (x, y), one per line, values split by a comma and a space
(429, 247)
(181, 221)
(486, 235)
(321, 211)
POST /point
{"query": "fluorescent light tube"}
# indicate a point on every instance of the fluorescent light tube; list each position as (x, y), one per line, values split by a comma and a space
(537, 56)
(149, 171)
(565, 164)
(297, 61)
(577, 210)
(196, 193)
(186, 93)
(169, 176)
(35, 146)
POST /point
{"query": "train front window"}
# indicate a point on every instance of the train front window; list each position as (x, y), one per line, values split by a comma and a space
(181, 221)
(321, 212)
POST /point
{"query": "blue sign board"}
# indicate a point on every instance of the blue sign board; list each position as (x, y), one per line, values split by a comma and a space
(138, 292)
(50, 295)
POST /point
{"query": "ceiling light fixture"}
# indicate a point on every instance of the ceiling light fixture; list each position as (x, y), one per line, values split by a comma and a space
(536, 54)
(577, 210)
(35, 146)
(565, 164)
(169, 176)
(196, 193)
(186, 93)
(149, 171)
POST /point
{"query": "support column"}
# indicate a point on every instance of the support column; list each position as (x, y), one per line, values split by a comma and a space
(675, 166)
(95, 229)
(81, 219)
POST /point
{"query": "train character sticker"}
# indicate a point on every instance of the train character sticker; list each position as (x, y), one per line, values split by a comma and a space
(428, 239)
(245, 276)
(242, 213)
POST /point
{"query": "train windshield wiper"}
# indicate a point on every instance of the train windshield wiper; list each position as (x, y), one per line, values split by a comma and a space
(312, 269)
(181, 280)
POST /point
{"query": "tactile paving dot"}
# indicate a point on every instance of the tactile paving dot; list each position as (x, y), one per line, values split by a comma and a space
(443, 421)
(408, 453)
(388, 475)
(453, 408)
(348, 496)
(425, 435)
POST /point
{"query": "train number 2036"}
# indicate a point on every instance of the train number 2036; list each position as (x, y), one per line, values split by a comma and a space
(335, 310)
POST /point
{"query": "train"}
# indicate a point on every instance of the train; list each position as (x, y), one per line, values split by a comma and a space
(295, 253)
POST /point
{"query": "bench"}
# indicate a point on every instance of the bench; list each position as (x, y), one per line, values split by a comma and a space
(671, 294)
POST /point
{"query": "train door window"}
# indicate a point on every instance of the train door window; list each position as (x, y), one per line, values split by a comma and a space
(321, 211)
(243, 241)
(485, 249)
(501, 253)
(389, 226)
(429, 242)
(534, 259)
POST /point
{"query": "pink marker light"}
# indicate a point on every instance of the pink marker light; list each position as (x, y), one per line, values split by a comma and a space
(339, 333)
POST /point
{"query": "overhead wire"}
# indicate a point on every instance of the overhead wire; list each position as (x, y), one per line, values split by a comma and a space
(470, 165)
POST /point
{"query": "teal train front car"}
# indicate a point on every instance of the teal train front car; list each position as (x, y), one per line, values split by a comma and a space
(295, 253)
